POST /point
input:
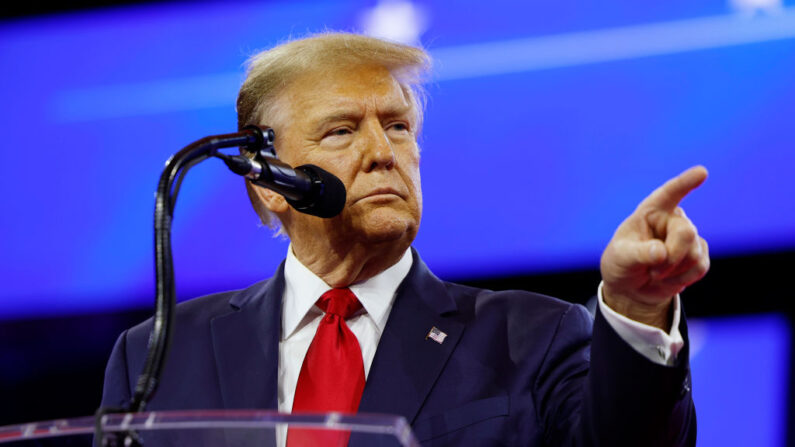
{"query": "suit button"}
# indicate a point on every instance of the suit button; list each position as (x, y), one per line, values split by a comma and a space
(685, 387)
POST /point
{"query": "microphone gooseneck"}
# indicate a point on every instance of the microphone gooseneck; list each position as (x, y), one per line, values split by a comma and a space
(309, 189)
(252, 138)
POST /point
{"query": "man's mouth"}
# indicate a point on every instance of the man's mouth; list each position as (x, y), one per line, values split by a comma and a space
(382, 193)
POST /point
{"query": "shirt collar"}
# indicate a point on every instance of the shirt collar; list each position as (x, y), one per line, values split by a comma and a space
(302, 289)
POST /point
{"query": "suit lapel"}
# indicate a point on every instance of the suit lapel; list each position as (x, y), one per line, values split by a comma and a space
(246, 346)
(407, 363)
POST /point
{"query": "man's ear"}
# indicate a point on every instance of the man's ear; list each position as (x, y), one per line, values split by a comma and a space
(271, 200)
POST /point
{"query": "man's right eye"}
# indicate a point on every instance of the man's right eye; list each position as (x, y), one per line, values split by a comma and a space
(337, 137)
(339, 132)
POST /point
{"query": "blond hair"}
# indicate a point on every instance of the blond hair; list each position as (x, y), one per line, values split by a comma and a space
(271, 71)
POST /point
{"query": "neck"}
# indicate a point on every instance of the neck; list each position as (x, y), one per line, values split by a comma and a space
(343, 266)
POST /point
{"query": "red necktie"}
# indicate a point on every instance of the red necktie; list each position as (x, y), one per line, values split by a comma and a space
(332, 375)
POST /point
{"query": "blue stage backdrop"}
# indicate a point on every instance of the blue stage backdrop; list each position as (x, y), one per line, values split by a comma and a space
(548, 122)
(730, 412)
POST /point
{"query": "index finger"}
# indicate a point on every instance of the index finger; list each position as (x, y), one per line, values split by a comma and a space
(668, 196)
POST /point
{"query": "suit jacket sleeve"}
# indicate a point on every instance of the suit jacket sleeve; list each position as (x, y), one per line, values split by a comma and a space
(620, 399)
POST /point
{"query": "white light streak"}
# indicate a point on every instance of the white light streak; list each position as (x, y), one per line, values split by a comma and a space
(581, 48)
(395, 20)
(458, 62)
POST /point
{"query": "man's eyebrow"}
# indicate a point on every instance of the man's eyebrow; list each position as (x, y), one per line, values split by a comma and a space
(392, 111)
(338, 115)
(355, 114)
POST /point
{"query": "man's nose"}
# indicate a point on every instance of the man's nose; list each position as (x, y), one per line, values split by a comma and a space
(379, 153)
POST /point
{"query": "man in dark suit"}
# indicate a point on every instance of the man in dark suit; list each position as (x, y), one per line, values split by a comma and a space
(464, 366)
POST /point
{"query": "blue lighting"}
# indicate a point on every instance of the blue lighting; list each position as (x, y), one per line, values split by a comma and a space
(577, 113)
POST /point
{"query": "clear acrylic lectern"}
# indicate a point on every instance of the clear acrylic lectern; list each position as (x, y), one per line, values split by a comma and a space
(210, 428)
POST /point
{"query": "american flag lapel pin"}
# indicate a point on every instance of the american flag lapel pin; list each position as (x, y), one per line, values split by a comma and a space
(436, 335)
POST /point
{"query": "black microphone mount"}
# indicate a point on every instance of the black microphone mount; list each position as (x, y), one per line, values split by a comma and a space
(308, 188)
(252, 138)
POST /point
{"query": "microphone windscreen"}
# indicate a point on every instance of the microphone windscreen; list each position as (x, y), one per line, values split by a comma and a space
(329, 197)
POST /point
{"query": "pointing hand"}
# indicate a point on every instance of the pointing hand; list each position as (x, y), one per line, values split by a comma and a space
(655, 253)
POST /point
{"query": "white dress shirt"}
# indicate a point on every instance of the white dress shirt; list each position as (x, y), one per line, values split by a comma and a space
(301, 317)
(649, 341)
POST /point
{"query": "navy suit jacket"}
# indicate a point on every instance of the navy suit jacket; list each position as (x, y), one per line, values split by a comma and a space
(516, 368)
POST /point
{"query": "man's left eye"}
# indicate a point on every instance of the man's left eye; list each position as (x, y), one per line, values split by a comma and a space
(400, 127)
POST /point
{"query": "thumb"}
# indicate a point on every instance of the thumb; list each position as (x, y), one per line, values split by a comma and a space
(654, 251)
(630, 253)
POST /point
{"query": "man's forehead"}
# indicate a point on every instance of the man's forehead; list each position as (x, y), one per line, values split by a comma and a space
(358, 86)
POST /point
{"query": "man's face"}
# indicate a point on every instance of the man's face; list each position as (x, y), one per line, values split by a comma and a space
(360, 125)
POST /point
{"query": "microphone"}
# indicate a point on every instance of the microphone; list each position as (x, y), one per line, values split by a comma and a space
(307, 188)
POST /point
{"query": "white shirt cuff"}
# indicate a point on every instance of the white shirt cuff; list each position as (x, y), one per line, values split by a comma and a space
(649, 341)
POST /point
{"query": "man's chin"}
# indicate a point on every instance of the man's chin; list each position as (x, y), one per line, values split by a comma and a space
(395, 229)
